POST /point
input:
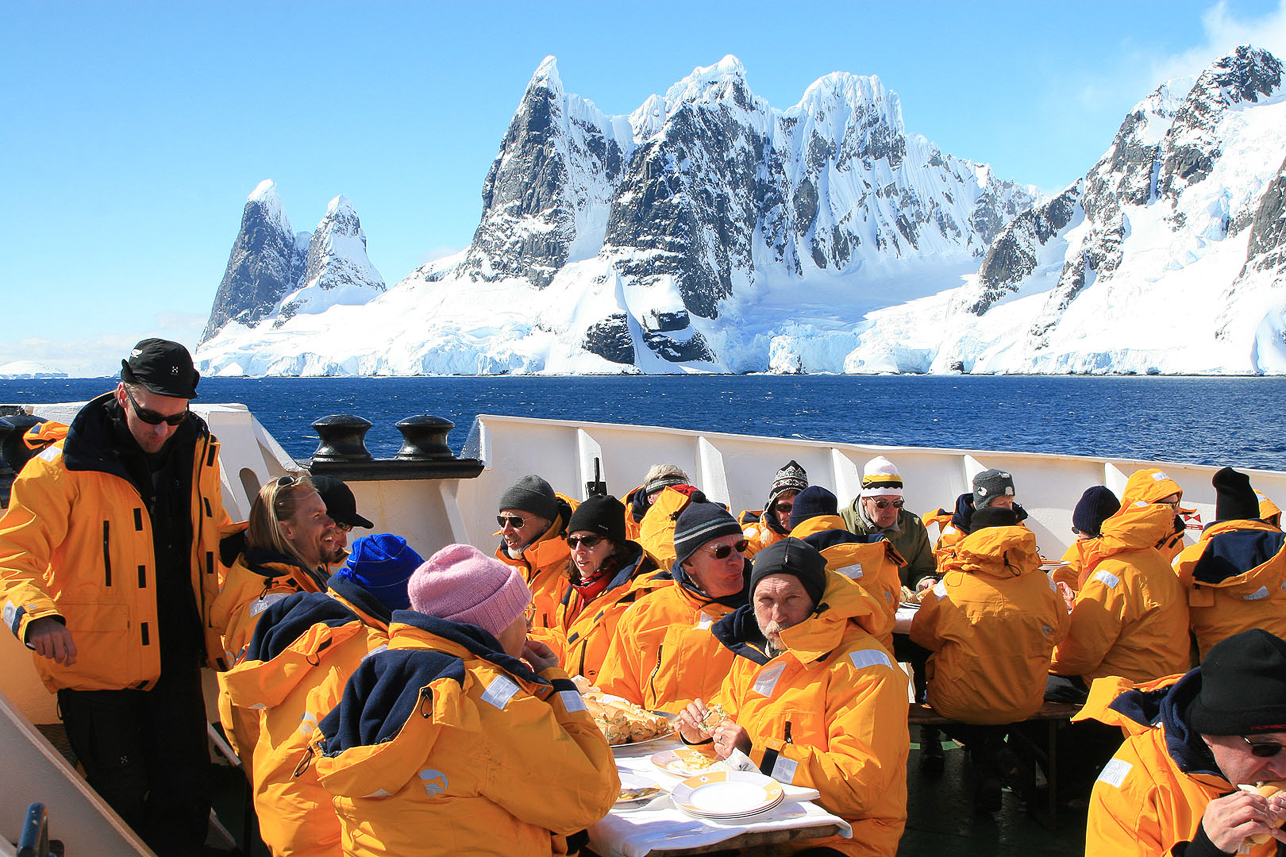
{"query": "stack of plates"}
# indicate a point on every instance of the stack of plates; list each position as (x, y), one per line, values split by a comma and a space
(722, 795)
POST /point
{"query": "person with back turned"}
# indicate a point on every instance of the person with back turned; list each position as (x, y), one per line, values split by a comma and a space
(108, 568)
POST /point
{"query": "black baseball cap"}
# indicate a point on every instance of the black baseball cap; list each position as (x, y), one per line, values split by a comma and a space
(162, 367)
(341, 506)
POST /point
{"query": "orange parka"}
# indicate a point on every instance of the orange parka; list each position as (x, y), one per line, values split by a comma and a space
(544, 565)
(829, 713)
(1130, 618)
(1236, 576)
(1150, 484)
(302, 641)
(443, 746)
(258, 579)
(656, 531)
(582, 642)
(662, 655)
(76, 544)
(871, 561)
(992, 623)
(1152, 794)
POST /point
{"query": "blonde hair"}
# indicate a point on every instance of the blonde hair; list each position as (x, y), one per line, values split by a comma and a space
(276, 502)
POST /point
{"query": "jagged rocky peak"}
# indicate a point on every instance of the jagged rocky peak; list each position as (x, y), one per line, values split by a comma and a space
(264, 266)
(1191, 146)
(337, 268)
(547, 191)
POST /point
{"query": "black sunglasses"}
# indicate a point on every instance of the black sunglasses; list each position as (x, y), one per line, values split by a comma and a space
(722, 551)
(884, 504)
(588, 541)
(1265, 749)
(152, 418)
(512, 520)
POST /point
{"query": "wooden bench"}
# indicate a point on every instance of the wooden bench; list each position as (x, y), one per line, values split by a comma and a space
(1055, 714)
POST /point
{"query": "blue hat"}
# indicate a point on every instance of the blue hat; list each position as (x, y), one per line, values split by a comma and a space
(382, 564)
(811, 502)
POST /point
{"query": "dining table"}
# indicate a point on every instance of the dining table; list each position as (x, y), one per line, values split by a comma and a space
(658, 826)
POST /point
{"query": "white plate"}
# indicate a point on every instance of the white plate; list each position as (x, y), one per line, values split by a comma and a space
(727, 794)
(684, 762)
(634, 782)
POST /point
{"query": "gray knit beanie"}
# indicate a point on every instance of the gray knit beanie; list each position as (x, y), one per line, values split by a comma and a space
(990, 484)
(531, 494)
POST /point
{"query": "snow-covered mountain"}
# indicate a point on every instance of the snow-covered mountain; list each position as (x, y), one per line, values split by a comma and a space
(708, 231)
(275, 274)
(692, 234)
(1165, 258)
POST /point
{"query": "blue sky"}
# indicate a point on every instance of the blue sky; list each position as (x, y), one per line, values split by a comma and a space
(133, 132)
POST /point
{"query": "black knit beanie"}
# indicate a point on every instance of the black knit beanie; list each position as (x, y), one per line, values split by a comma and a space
(993, 516)
(1096, 505)
(795, 557)
(811, 502)
(1243, 686)
(1235, 500)
(699, 523)
(531, 494)
(604, 516)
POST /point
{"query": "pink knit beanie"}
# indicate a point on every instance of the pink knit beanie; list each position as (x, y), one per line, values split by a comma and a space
(462, 584)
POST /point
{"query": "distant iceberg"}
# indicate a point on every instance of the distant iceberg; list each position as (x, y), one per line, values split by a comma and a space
(25, 370)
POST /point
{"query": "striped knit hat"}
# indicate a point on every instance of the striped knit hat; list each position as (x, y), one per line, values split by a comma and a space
(699, 523)
(881, 478)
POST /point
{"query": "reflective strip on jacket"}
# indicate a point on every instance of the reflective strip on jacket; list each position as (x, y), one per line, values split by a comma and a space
(910, 540)
(992, 623)
(296, 817)
(1144, 802)
(663, 655)
(77, 544)
(873, 565)
(1151, 484)
(1236, 576)
(1130, 618)
(440, 747)
(829, 714)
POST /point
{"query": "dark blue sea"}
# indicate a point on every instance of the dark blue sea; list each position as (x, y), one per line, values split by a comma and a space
(1235, 421)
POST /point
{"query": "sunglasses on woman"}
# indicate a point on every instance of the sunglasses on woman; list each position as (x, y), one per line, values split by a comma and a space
(152, 418)
(722, 551)
(884, 504)
(588, 541)
(1263, 749)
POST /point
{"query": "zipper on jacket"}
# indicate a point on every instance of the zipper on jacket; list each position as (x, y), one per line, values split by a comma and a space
(788, 741)
(652, 678)
(107, 553)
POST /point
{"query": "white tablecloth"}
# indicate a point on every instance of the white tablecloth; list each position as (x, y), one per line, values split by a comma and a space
(637, 830)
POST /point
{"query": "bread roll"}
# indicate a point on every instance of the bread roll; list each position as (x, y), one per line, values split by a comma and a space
(1267, 790)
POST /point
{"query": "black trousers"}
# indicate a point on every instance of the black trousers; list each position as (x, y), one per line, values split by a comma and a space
(146, 753)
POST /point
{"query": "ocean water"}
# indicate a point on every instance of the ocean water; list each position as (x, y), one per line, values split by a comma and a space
(1217, 421)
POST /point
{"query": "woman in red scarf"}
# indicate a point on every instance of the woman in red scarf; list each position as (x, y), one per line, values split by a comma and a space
(607, 573)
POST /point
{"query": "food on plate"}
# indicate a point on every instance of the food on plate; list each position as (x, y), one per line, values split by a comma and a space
(1268, 790)
(686, 761)
(642, 793)
(623, 722)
